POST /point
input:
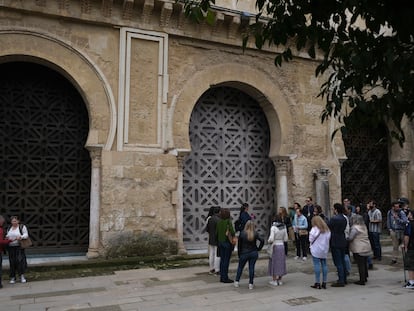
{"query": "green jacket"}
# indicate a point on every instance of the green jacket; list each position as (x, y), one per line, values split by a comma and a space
(222, 226)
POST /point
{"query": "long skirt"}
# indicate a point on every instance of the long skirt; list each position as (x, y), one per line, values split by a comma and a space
(277, 264)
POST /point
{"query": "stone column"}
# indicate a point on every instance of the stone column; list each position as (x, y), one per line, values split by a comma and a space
(180, 205)
(322, 190)
(282, 165)
(402, 168)
(95, 204)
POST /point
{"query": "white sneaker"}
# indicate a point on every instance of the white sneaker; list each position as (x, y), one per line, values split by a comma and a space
(273, 283)
(304, 258)
(236, 284)
(23, 279)
(280, 283)
(250, 286)
(297, 257)
(12, 280)
(409, 285)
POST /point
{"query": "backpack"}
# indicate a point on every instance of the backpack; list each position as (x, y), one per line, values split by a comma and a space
(238, 225)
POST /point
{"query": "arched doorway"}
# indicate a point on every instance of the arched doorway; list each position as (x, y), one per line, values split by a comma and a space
(45, 169)
(365, 174)
(229, 162)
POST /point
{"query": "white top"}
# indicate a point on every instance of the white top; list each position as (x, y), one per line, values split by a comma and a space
(277, 236)
(14, 233)
(319, 242)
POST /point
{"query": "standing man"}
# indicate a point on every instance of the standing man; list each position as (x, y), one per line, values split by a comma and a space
(2, 243)
(337, 225)
(408, 248)
(349, 206)
(374, 229)
(396, 222)
(307, 211)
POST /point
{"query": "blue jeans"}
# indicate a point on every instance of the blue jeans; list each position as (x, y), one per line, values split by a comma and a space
(317, 264)
(374, 238)
(225, 250)
(250, 257)
(338, 256)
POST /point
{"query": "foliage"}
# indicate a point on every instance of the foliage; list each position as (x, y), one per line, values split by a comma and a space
(143, 244)
(364, 48)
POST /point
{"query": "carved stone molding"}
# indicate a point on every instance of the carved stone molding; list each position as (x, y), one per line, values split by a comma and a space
(139, 14)
(401, 166)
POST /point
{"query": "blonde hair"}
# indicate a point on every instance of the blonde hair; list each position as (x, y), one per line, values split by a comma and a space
(249, 228)
(318, 222)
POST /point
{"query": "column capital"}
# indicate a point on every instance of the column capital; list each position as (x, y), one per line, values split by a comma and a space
(321, 173)
(281, 163)
(401, 166)
(96, 155)
(181, 154)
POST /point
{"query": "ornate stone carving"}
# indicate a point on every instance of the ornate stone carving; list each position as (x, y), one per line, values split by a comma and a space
(401, 166)
(147, 10)
(281, 164)
(166, 12)
(107, 8)
(321, 173)
(128, 9)
(96, 155)
(85, 6)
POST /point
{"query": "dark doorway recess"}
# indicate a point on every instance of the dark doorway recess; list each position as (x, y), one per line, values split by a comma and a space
(45, 169)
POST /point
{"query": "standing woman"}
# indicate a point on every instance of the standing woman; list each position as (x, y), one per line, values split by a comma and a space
(248, 251)
(244, 216)
(319, 237)
(213, 259)
(224, 225)
(300, 226)
(277, 257)
(360, 247)
(17, 255)
(283, 217)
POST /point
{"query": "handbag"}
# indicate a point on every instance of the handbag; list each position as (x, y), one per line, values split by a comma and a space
(303, 232)
(232, 239)
(26, 243)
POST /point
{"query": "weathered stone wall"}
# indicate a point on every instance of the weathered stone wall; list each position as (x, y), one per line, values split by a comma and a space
(136, 194)
(139, 180)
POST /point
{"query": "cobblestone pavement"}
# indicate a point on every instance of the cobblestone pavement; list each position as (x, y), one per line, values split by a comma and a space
(194, 289)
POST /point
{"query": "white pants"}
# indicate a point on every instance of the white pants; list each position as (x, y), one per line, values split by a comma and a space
(213, 260)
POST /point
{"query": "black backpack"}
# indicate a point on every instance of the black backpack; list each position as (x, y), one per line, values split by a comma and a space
(238, 225)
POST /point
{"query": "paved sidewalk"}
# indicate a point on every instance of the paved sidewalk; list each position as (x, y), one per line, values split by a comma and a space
(194, 289)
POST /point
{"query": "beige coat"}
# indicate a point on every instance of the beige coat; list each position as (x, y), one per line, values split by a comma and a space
(359, 242)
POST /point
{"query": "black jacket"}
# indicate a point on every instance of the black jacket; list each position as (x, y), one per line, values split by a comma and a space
(245, 246)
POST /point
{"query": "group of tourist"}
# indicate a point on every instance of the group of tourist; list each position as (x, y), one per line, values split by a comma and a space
(351, 230)
(11, 241)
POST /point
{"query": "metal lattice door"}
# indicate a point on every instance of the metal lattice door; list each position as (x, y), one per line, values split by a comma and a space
(229, 162)
(44, 167)
(365, 173)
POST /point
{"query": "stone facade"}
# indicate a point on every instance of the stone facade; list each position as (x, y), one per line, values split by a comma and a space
(140, 67)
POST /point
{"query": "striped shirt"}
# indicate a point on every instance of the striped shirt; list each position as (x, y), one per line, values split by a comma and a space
(375, 214)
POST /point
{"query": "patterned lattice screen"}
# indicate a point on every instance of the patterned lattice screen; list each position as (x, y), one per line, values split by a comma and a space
(44, 167)
(365, 173)
(229, 162)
